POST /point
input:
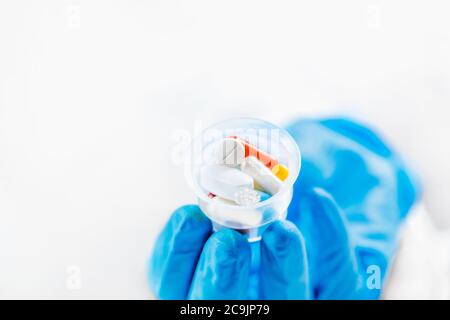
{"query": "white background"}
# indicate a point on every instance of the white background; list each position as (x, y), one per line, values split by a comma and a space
(93, 95)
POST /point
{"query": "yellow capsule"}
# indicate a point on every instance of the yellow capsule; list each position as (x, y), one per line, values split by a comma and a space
(280, 171)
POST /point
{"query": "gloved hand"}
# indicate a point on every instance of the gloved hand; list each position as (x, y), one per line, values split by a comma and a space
(350, 198)
(190, 262)
(350, 247)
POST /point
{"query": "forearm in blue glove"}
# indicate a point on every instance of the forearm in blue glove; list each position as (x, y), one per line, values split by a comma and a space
(372, 191)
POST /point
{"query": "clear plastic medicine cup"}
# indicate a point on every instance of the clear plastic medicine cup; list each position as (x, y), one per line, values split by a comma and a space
(252, 219)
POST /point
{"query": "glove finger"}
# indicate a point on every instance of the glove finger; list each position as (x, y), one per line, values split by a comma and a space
(176, 252)
(284, 271)
(224, 267)
(333, 265)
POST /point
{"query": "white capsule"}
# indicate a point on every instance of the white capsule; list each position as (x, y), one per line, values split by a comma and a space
(230, 152)
(223, 201)
(226, 182)
(262, 175)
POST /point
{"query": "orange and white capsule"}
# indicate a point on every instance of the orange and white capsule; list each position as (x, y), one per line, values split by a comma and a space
(279, 170)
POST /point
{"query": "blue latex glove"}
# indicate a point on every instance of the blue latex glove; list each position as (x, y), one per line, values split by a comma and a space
(350, 229)
(351, 232)
(190, 262)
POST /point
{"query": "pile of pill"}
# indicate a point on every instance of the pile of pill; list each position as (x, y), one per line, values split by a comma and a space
(242, 174)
